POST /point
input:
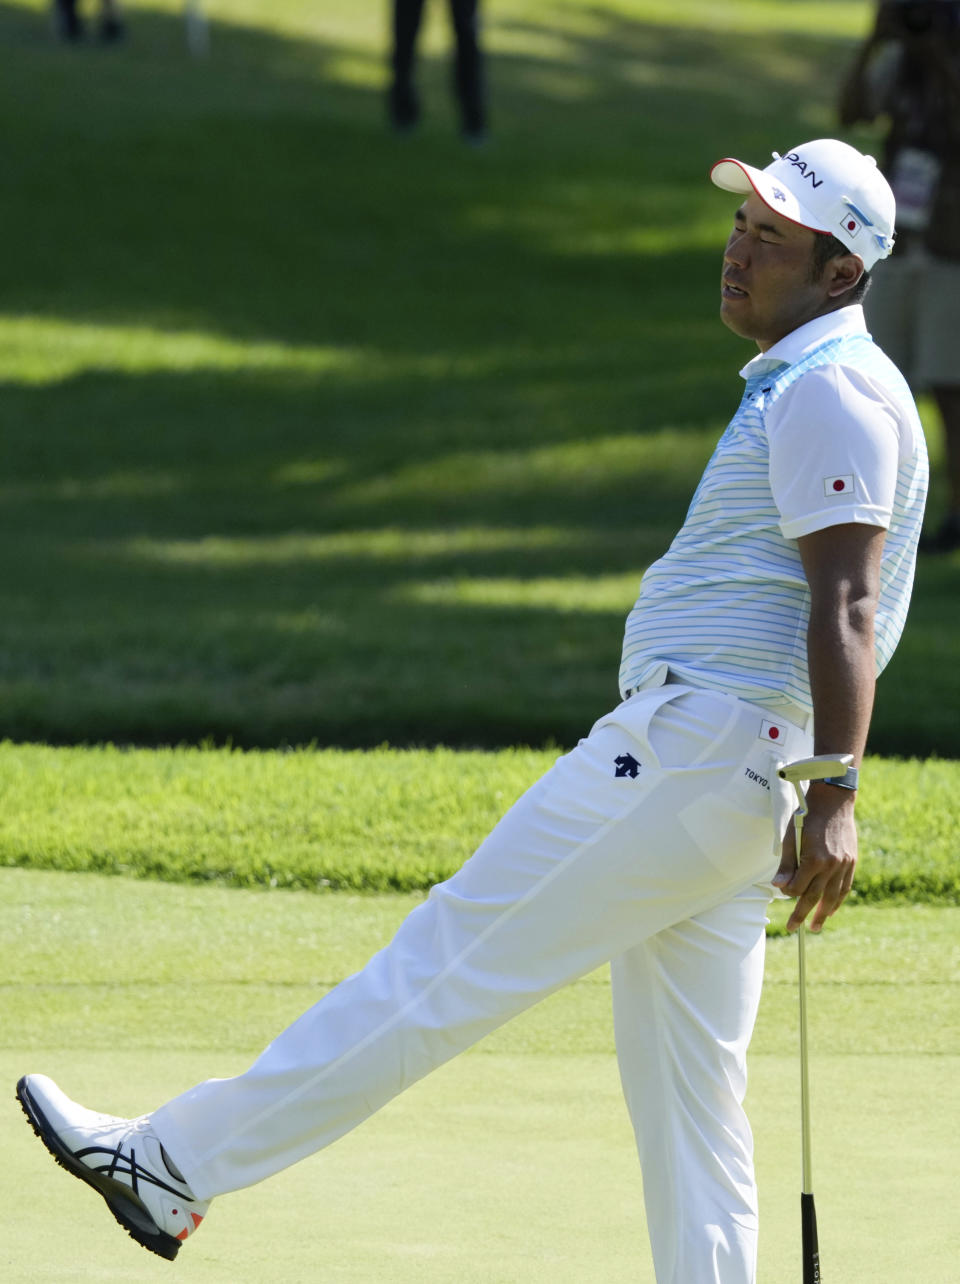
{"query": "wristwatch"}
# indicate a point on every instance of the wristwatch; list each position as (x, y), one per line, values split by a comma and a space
(849, 780)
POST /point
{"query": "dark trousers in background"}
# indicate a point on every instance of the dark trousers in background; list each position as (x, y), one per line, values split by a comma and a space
(70, 26)
(467, 64)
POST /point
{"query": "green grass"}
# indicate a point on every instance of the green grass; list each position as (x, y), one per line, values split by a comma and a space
(308, 433)
(382, 820)
(513, 1164)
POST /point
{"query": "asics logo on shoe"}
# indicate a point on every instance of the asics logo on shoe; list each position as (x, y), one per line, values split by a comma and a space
(125, 1166)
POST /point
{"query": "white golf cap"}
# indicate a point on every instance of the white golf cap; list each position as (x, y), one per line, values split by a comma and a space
(827, 186)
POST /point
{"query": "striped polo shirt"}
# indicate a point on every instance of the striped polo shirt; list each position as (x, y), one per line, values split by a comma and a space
(827, 433)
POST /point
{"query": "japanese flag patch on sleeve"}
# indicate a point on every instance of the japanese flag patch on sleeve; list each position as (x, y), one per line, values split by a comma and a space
(839, 485)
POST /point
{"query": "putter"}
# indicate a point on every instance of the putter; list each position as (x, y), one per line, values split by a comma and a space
(818, 768)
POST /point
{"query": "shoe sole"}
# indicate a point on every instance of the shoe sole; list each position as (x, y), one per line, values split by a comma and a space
(129, 1212)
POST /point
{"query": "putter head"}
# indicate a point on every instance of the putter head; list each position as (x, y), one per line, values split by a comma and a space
(817, 768)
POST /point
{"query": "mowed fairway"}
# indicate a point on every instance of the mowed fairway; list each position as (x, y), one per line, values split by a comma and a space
(512, 1164)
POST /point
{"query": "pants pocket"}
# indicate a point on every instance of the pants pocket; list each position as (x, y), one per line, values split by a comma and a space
(733, 840)
(739, 827)
(636, 714)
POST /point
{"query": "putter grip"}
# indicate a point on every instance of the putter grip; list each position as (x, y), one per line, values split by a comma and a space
(811, 1249)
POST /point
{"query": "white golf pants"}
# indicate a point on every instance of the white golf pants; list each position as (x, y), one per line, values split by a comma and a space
(650, 845)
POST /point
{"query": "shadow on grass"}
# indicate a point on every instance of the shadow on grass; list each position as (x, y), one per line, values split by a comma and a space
(258, 193)
(243, 311)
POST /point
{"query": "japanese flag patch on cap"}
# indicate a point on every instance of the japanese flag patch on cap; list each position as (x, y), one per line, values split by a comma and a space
(775, 732)
(839, 485)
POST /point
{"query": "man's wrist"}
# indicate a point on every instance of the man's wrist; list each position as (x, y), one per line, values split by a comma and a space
(822, 795)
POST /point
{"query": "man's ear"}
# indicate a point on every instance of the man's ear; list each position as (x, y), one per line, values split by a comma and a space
(843, 273)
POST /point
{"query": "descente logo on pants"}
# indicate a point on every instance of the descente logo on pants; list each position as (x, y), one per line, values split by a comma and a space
(626, 765)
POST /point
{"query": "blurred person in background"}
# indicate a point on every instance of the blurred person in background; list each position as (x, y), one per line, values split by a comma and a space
(908, 71)
(403, 103)
(70, 25)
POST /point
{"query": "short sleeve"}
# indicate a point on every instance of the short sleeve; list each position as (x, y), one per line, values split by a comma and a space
(835, 445)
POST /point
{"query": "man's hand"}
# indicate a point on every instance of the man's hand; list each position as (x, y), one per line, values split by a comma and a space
(828, 860)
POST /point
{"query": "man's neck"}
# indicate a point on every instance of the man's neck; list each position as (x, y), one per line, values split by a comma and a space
(831, 305)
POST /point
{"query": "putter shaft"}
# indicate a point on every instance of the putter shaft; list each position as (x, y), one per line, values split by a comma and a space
(807, 1182)
(816, 768)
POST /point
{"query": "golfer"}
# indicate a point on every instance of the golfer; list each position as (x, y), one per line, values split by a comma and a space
(658, 842)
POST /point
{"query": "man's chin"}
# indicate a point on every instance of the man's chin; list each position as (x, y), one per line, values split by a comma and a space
(732, 316)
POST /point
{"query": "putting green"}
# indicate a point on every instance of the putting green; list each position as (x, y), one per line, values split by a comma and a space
(513, 1163)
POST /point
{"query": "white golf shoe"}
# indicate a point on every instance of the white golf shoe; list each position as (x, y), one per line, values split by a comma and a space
(122, 1159)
